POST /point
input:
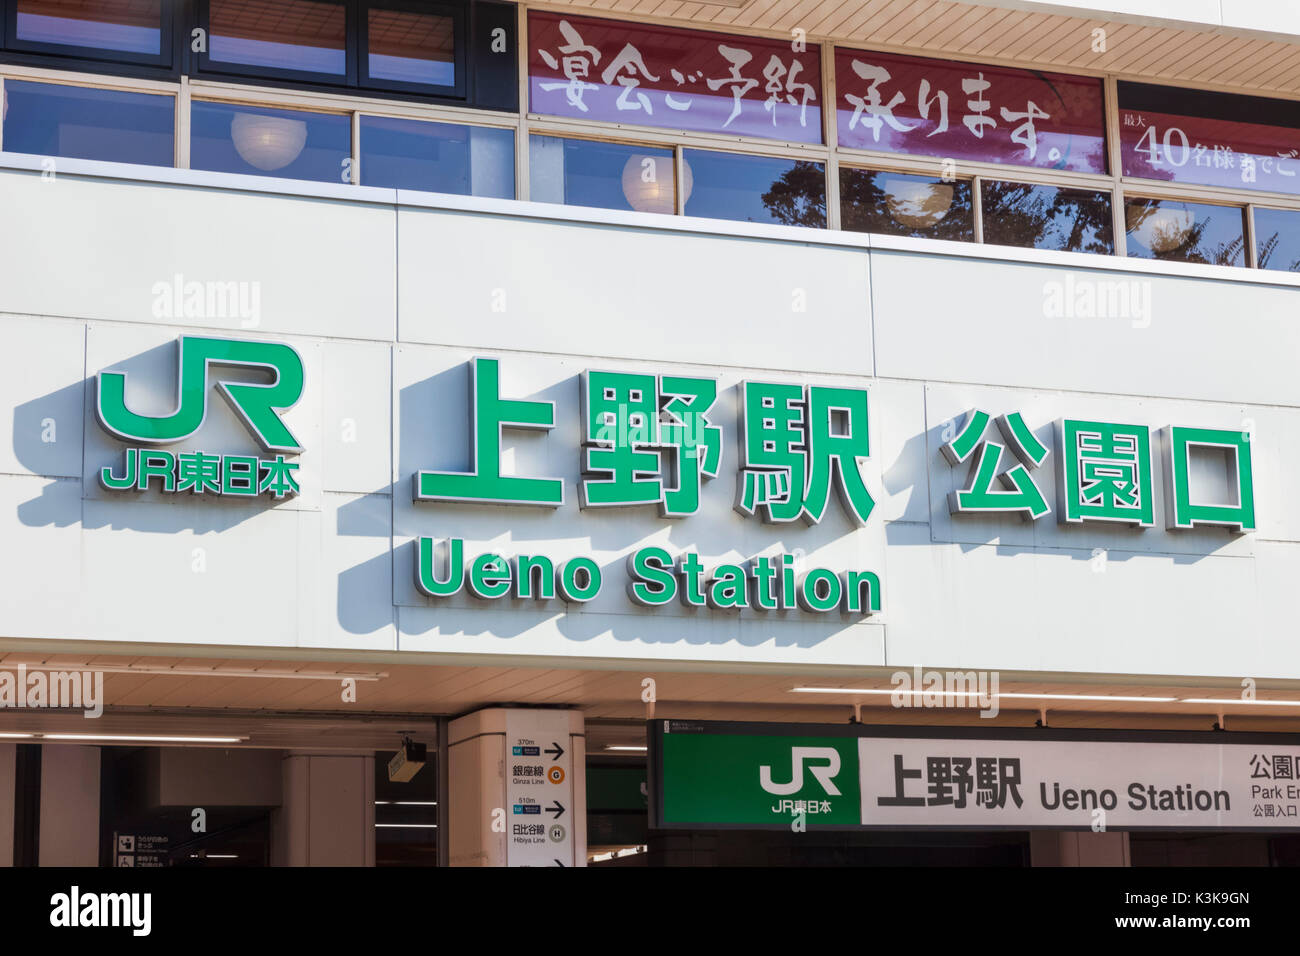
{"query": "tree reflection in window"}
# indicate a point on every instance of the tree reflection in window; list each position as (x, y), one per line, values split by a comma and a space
(897, 204)
(798, 197)
(1277, 235)
(1185, 232)
(1047, 217)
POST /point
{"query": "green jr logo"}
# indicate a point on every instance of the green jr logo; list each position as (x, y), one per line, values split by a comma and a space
(258, 405)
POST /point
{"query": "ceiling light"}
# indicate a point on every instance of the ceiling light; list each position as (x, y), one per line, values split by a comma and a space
(1237, 700)
(407, 826)
(972, 693)
(138, 738)
(1101, 697)
(636, 749)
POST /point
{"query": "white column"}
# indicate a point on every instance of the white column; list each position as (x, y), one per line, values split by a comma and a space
(327, 817)
(69, 806)
(487, 797)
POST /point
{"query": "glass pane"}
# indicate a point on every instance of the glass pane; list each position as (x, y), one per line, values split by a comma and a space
(1185, 231)
(411, 47)
(437, 157)
(130, 26)
(899, 205)
(647, 75)
(1277, 238)
(85, 123)
(281, 34)
(1209, 138)
(755, 188)
(580, 172)
(266, 142)
(1045, 217)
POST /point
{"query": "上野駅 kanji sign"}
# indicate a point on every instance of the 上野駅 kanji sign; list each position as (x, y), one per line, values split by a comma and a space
(800, 776)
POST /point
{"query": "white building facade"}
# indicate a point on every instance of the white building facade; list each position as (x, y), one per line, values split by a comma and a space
(667, 416)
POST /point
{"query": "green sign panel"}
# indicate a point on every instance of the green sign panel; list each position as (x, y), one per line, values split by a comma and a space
(757, 779)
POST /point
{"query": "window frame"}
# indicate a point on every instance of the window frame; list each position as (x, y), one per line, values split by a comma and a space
(203, 65)
(460, 39)
(164, 59)
(91, 82)
(217, 99)
(1245, 209)
(973, 182)
(1108, 191)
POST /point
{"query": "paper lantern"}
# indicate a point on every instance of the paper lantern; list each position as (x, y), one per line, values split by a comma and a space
(268, 142)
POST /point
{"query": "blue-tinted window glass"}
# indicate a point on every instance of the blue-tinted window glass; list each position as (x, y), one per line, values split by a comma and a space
(437, 157)
(1185, 231)
(83, 123)
(755, 188)
(129, 26)
(579, 172)
(409, 47)
(1277, 238)
(896, 204)
(1046, 217)
(293, 144)
(301, 35)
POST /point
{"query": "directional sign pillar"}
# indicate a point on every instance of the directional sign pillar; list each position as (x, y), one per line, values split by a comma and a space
(517, 788)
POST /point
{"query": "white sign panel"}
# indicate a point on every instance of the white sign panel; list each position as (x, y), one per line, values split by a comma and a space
(1017, 784)
(539, 789)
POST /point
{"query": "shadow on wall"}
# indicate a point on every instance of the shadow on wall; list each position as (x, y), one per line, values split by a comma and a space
(151, 375)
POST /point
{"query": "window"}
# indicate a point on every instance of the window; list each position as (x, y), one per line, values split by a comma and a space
(971, 111)
(644, 75)
(580, 172)
(408, 46)
(294, 144)
(903, 205)
(411, 49)
(1046, 217)
(80, 122)
(1277, 239)
(1185, 231)
(437, 157)
(294, 38)
(754, 188)
(1210, 139)
(131, 31)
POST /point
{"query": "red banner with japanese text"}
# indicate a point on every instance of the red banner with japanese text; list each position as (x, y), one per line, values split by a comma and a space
(967, 111)
(644, 75)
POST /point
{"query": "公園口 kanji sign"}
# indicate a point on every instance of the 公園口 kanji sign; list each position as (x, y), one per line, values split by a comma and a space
(721, 774)
(1104, 472)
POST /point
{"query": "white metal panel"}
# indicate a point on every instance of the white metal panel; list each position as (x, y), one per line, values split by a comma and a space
(955, 319)
(115, 254)
(42, 365)
(631, 293)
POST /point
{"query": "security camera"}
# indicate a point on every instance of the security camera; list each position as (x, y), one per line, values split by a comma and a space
(408, 760)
